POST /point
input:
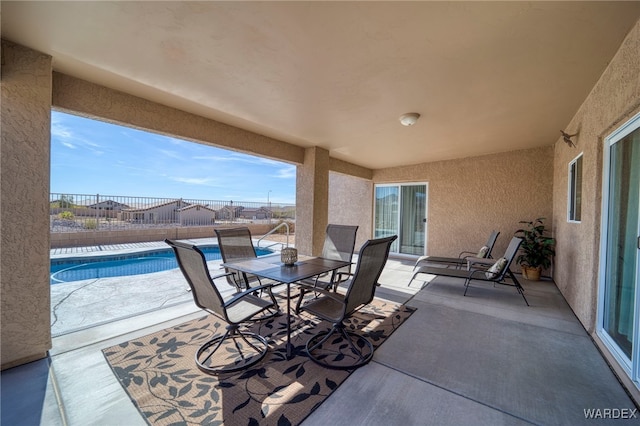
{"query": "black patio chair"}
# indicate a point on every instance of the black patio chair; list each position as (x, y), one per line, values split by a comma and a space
(356, 350)
(479, 269)
(235, 349)
(236, 244)
(339, 244)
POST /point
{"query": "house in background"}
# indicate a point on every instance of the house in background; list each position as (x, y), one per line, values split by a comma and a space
(165, 212)
(494, 83)
(108, 205)
(228, 212)
(196, 214)
(259, 213)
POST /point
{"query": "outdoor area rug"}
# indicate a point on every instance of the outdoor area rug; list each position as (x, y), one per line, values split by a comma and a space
(159, 373)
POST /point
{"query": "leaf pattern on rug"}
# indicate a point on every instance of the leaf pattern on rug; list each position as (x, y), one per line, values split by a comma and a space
(159, 373)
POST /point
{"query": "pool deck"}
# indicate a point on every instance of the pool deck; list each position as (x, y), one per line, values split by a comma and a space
(134, 247)
(119, 249)
(81, 305)
(66, 251)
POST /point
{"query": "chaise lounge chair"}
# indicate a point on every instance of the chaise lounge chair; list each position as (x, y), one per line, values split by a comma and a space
(491, 270)
(461, 260)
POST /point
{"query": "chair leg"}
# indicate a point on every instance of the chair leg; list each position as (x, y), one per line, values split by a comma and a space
(299, 302)
(412, 278)
(518, 286)
(227, 359)
(357, 352)
(424, 284)
(466, 286)
(324, 339)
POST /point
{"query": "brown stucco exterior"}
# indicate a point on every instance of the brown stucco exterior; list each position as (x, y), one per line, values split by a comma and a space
(24, 176)
(613, 101)
(470, 197)
(350, 203)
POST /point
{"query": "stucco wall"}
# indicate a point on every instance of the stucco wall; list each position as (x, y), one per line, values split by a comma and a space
(99, 102)
(470, 197)
(312, 198)
(24, 177)
(350, 203)
(613, 100)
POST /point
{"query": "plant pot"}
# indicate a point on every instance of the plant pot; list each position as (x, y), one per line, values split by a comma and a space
(530, 273)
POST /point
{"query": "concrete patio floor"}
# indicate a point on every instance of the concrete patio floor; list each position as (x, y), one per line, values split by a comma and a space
(483, 359)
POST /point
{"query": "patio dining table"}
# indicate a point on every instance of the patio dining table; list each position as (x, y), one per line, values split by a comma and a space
(272, 268)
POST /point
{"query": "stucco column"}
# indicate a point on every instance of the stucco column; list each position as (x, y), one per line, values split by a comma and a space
(312, 201)
(25, 90)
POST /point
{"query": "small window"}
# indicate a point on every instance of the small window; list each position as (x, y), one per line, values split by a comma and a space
(575, 190)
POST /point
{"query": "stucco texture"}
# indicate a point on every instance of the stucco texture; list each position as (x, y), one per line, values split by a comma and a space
(470, 197)
(613, 100)
(350, 203)
(312, 198)
(24, 173)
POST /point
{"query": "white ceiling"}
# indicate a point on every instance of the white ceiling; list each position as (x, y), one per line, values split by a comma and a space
(485, 76)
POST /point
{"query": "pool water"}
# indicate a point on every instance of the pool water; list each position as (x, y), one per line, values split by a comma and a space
(66, 270)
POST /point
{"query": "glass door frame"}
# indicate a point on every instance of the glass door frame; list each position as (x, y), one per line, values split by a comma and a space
(630, 366)
(399, 214)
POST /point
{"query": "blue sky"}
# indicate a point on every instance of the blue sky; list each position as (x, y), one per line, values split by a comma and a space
(93, 157)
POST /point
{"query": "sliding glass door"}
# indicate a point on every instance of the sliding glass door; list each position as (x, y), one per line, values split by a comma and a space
(619, 312)
(402, 210)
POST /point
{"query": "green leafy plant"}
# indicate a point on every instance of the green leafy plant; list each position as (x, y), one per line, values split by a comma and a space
(90, 224)
(66, 215)
(537, 248)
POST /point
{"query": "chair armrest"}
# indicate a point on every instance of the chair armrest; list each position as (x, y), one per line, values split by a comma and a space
(479, 263)
(482, 261)
(222, 275)
(236, 297)
(468, 253)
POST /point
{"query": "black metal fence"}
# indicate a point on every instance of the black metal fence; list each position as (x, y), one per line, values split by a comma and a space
(82, 212)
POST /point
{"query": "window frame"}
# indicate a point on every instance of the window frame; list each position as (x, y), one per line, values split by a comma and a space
(574, 194)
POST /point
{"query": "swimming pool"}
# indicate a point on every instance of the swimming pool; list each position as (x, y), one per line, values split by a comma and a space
(86, 268)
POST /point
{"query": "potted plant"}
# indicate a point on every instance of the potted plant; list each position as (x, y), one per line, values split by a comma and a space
(537, 248)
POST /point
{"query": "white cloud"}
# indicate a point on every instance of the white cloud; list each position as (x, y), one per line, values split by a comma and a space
(69, 138)
(61, 132)
(287, 172)
(211, 158)
(170, 154)
(194, 181)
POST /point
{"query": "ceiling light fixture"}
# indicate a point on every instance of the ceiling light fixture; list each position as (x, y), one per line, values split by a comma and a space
(409, 119)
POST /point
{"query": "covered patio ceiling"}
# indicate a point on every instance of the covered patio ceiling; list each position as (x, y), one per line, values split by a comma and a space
(486, 77)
